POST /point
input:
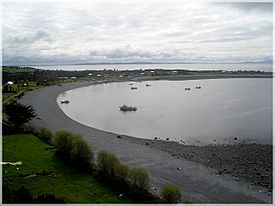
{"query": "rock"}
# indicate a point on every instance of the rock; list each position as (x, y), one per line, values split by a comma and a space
(156, 138)
(235, 138)
(167, 139)
(120, 195)
(178, 168)
(214, 140)
(147, 143)
(118, 136)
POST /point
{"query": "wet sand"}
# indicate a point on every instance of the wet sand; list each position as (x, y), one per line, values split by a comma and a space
(198, 180)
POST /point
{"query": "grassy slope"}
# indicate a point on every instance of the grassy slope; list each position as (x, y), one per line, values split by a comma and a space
(60, 180)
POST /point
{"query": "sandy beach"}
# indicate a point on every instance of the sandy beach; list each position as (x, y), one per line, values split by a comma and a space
(239, 173)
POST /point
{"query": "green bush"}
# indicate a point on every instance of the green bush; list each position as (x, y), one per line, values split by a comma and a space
(170, 194)
(45, 135)
(122, 172)
(106, 163)
(139, 178)
(81, 153)
(62, 141)
(73, 148)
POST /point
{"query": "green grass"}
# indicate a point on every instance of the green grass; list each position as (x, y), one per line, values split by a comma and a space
(58, 179)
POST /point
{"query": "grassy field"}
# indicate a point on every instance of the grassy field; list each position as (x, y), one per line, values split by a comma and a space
(53, 176)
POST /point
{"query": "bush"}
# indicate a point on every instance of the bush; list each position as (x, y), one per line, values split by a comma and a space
(139, 178)
(170, 194)
(47, 198)
(81, 153)
(21, 195)
(122, 172)
(106, 163)
(73, 148)
(62, 141)
(45, 135)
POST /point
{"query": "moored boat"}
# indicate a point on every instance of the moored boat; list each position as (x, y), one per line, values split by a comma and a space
(126, 108)
(65, 102)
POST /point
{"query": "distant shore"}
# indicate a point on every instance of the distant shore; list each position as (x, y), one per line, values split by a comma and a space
(167, 161)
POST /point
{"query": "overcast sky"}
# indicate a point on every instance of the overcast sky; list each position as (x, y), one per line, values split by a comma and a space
(49, 33)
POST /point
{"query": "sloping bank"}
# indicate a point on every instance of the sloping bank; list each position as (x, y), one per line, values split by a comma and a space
(200, 184)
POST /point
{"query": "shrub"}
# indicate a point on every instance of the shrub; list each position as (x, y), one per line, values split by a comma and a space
(47, 198)
(81, 153)
(122, 172)
(139, 178)
(170, 194)
(106, 163)
(45, 135)
(62, 141)
(73, 148)
(21, 195)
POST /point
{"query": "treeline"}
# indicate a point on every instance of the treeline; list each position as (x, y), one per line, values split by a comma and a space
(130, 181)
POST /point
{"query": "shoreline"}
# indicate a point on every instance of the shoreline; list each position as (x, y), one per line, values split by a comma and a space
(162, 166)
(248, 162)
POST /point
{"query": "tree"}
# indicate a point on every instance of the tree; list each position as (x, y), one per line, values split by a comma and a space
(18, 114)
(170, 194)
(139, 178)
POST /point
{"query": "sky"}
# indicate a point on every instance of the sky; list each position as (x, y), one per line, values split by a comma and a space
(138, 31)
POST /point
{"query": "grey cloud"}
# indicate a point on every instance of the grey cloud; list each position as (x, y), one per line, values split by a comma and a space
(252, 6)
(99, 32)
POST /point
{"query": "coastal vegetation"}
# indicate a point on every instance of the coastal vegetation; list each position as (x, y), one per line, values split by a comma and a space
(171, 194)
(73, 149)
(44, 173)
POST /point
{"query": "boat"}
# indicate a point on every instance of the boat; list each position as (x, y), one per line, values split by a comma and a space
(131, 84)
(199, 87)
(126, 108)
(187, 88)
(133, 87)
(148, 85)
(65, 101)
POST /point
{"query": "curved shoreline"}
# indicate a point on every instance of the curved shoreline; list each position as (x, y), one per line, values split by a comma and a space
(200, 184)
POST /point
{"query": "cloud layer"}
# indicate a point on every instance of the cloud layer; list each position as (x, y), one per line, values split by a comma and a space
(49, 33)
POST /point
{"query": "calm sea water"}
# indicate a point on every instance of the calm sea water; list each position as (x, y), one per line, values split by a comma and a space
(217, 113)
(228, 67)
